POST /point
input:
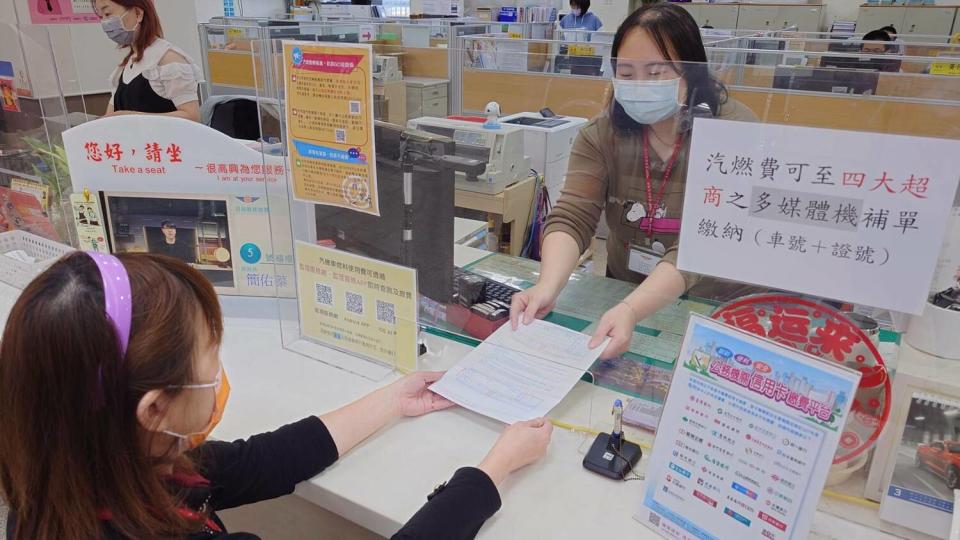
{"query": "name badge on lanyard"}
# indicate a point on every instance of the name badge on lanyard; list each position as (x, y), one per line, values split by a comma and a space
(643, 260)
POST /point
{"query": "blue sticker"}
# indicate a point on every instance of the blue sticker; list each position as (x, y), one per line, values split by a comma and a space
(250, 253)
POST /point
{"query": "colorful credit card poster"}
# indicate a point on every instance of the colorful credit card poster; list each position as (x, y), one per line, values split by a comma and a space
(61, 11)
(329, 114)
(746, 438)
(359, 305)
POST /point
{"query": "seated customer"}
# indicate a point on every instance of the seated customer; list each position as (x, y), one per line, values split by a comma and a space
(110, 383)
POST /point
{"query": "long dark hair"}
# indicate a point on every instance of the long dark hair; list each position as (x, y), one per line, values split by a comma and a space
(71, 445)
(677, 36)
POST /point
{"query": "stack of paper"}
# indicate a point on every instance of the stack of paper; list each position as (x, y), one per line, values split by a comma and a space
(519, 375)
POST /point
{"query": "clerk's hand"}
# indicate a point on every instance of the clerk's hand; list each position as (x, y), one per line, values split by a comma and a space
(617, 324)
(411, 396)
(519, 445)
(533, 303)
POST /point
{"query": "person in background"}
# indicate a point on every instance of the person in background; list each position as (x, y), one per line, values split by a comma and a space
(580, 17)
(631, 161)
(876, 42)
(892, 32)
(156, 76)
(111, 382)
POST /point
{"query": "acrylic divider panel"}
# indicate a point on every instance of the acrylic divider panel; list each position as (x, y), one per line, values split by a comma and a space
(744, 450)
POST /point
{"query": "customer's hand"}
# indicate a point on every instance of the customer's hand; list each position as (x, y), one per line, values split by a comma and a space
(411, 396)
(533, 303)
(518, 446)
(617, 324)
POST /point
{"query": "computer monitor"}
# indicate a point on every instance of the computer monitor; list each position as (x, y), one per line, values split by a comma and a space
(835, 81)
(846, 45)
(578, 65)
(430, 248)
(891, 65)
(764, 58)
(338, 38)
(193, 228)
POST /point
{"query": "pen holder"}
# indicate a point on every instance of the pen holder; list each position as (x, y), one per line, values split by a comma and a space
(606, 460)
(935, 332)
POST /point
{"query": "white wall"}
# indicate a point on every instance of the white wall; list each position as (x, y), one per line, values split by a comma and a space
(257, 8)
(85, 58)
(840, 10)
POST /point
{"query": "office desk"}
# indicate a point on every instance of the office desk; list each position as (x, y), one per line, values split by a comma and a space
(510, 208)
(386, 479)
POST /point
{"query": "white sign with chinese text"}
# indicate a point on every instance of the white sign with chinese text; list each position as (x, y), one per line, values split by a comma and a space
(851, 216)
(180, 188)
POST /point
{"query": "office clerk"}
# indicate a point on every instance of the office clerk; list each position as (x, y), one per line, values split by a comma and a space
(580, 17)
(156, 76)
(110, 383)
(631, 162)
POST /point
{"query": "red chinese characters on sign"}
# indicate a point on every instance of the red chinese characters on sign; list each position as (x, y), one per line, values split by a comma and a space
(113, 151)
(789, 326)
(835, 339)
(154, 152)
(175, 152)
(93, 152)
(746, 319)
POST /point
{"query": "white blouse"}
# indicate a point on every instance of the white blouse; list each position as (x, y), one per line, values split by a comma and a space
(176, 81)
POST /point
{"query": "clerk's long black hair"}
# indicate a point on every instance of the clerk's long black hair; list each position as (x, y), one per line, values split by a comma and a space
(677, 36)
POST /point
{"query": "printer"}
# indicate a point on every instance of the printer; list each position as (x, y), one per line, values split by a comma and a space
(386, 68)
(548, 142)
(500, 149)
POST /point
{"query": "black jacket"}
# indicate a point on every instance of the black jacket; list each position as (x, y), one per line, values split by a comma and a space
(272, 464)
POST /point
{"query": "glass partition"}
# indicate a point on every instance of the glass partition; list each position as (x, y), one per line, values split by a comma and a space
(438, 161)
(42, 96)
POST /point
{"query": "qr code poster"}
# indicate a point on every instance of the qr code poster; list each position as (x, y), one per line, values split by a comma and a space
(329, 124)
(358, 305)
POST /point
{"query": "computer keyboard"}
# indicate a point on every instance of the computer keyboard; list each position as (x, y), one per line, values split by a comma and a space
(482, 296)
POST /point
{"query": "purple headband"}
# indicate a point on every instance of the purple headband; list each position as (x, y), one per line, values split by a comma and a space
(116, 295)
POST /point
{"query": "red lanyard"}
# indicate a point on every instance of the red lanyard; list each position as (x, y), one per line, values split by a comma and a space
(653, 206)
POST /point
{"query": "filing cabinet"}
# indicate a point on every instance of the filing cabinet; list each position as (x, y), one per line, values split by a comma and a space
(426, 97)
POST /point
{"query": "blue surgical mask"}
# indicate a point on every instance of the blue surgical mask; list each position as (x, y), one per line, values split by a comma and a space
(114, 29)
(576, 12)
(648, 102)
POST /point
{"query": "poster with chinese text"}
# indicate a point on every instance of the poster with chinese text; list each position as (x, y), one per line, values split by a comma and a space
(746, 438)
(359, 305)
(91, 235)
(329, 118)
(8, 89)
(851, 216)
(61, 11)
(182, 189)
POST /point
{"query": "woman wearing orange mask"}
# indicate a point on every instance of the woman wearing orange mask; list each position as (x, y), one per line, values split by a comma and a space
(110, 383)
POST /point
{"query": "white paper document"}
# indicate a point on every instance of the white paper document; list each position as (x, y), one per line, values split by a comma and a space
(519, 375)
